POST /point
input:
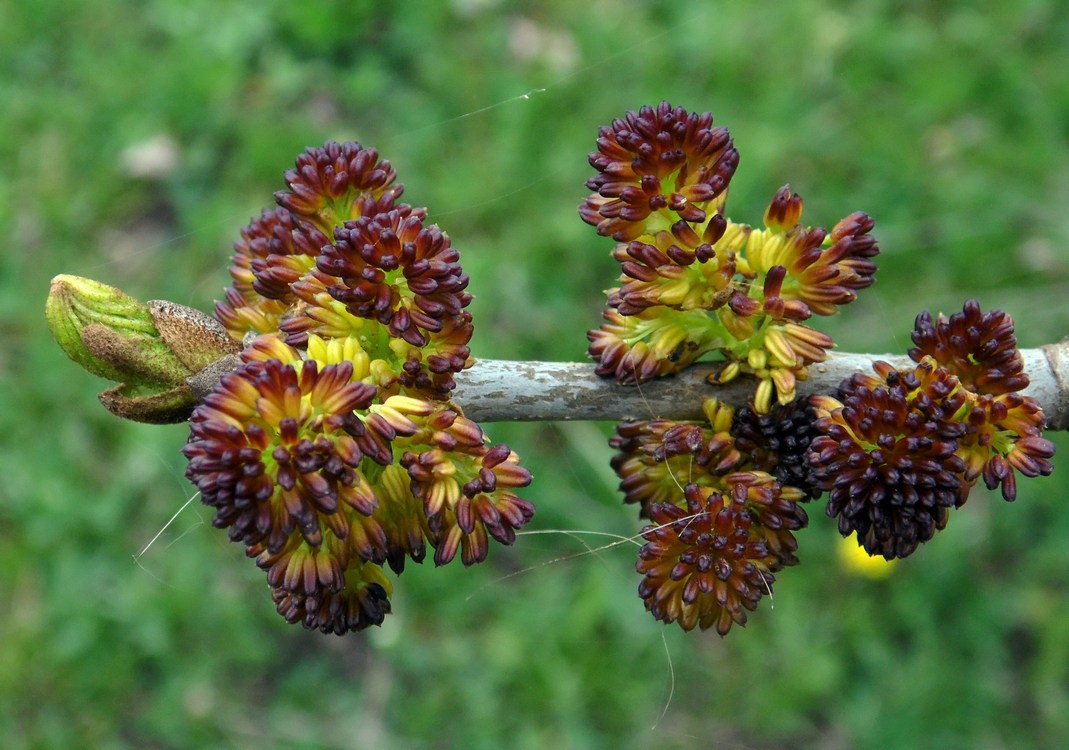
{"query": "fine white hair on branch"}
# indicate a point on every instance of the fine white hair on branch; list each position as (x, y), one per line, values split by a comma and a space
(494, 390)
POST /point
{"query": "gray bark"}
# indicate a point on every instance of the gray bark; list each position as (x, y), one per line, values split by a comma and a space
(495, 390)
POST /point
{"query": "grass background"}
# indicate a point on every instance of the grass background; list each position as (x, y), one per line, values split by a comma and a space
(947, 122)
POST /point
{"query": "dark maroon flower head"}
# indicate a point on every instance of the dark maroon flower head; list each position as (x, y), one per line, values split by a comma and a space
(394, 270)
(275, 249)
(709, 563)
(979, 348)
(887, 456)
(281, 248)
(827, 270)
(651, 343)
(276, 451)
(778, 442)
(361, 602)
(775, 510)
(659, 161)
(336, 182)
(1005, 437)
(420, 370)
(677, 269)
(242, 313)
(823, 269)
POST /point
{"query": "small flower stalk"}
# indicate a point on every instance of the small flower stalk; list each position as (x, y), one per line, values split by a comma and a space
(692, 281)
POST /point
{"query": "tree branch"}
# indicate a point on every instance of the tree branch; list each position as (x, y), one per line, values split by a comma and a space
(495, 390)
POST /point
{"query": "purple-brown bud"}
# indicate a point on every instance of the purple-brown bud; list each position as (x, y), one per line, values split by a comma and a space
(394, 270)
(979, 348)
(660, 162)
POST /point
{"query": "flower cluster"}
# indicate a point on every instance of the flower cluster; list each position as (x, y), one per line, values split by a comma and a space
(333, 451)
(708, 562)
(722, 521)
(693, 282)
(899, 449)
(895, 451)
(329, 449)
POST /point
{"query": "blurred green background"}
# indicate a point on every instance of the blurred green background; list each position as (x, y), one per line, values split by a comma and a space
(136, 139)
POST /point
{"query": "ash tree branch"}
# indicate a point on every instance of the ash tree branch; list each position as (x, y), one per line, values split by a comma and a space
(494, 390)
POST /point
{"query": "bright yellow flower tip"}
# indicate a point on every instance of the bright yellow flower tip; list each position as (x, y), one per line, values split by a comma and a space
(856, 560)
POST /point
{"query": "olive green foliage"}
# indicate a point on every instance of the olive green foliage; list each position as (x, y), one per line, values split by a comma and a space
(946, 122)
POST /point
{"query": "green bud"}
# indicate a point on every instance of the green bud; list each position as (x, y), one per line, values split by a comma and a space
(75, 304)
(148, 349)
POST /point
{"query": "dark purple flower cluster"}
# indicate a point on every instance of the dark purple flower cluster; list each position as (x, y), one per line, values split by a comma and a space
(707, 563)
(722, 522)
(778, 442)
(979, 348)
(900, 448)
(392, 269)
(660, 161)
(340, 256)
(333, 451)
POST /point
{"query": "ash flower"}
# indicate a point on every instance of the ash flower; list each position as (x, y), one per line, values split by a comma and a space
(276, 449)
(319, 314)
(1004, 428)
(654, 342)
(328, 186)
(680, 269)
(401, 516)
(774, 506)
(979, 348)
(445, 353)
(656, 458)
(778, 442)
(655, 167)
(693, 281)
(1004, 436)
(291, 252)
(784, 211)
(301, 568)
(707, 564)
(393, 269)
(394, 361)
(822, 270)
(362, 601)
(467, 497)
(887, 455)
(334, 183)
(778, 353)
(244, 313)
(276, 249)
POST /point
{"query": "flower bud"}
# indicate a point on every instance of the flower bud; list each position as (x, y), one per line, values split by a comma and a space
(148, 349)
